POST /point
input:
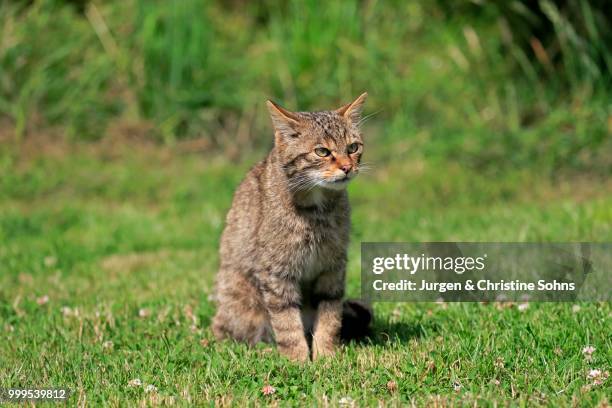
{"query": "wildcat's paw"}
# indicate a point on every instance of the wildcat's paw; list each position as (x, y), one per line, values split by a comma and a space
(323, 348)
(298, 353)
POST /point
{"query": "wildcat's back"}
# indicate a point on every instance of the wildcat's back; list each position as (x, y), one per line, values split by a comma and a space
(283, 251)
(240, 312)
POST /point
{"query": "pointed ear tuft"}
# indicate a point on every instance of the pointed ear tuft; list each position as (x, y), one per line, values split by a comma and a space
(352, 111)
(284, 121)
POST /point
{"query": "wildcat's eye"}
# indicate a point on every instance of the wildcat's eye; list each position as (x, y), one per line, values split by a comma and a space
(352, 148)
(322, 152)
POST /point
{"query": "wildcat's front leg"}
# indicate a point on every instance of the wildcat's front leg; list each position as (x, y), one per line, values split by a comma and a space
(328, 290)
(327, 328)
(282, 300)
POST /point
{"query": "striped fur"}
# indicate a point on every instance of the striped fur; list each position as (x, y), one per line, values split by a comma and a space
(283, 250)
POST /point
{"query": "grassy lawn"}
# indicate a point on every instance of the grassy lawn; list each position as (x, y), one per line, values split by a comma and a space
(107, 258)
(490, 121)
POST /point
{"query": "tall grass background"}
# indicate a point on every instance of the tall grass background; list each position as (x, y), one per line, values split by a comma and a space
(489, 84)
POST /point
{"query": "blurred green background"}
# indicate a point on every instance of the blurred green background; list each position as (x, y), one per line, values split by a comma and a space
(125, 127)
(489, 84)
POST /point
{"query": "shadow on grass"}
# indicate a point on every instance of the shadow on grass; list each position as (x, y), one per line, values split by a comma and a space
(390, 332)
(384, 333)
(360, 326)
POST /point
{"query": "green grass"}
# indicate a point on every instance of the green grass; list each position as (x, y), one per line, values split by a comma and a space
(123, 241)
(464, 78)
(491, 122)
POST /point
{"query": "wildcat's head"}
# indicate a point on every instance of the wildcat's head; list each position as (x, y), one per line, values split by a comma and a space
(319, 149)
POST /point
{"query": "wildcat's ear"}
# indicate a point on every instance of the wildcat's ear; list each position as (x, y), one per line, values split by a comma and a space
(352, 111)
(284, 121)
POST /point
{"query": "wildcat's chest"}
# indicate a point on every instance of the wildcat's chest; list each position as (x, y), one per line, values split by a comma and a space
(322, 246)
(313, 264)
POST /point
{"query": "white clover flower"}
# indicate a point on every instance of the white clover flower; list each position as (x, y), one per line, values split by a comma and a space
(588, 350)
(598, 376)
(595, 373)
(135, 383)
(42, 300)
(150, 388)
(67, 312)
(50, 261)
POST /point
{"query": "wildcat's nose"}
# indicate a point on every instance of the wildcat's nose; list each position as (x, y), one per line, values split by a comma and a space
(346, 168)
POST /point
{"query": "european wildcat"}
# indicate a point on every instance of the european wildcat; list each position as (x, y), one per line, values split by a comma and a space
(283, 250)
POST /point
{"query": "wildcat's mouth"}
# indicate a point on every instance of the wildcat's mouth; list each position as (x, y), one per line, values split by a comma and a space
(338, 183)
(342, 180)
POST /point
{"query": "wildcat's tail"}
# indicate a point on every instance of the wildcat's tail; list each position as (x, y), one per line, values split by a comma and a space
(356, 319)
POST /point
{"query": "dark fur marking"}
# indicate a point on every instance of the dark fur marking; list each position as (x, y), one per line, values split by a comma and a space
(327, 297)
(287, 343)
(281, 307)
(295, 159)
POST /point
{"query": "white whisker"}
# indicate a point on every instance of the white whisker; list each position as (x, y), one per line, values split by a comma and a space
(366, 118)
